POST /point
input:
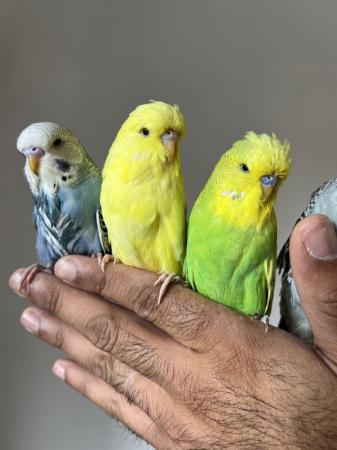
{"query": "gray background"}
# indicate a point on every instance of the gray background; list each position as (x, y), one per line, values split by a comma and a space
(266, 65)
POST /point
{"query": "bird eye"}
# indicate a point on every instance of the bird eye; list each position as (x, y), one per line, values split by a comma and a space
(244, 168)
(57, 142)
(145, 131)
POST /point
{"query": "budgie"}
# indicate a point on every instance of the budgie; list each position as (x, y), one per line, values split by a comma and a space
(143, 196)
(65, 184)
(232, 230)
(293, 317)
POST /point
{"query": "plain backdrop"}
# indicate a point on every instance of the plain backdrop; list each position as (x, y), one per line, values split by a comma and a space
(232, 66)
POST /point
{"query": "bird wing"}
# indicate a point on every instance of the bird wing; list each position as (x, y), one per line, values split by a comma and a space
(102, 232)
(57, 233)
(269, 267)
(48, 234)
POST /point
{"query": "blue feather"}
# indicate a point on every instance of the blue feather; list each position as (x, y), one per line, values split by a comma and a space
(66, 221)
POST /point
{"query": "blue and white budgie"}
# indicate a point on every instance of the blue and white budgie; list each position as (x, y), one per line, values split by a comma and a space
(65, 184)
(293, 317)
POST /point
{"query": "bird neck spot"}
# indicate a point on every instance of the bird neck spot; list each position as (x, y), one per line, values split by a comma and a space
(233, 195)
(62, 165)
(66, 178)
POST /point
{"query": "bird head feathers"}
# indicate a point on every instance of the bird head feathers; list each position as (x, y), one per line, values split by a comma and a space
(53, 154)
(246, 179)
(151, 133)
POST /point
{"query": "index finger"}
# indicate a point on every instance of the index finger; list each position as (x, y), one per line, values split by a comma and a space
(183, 314)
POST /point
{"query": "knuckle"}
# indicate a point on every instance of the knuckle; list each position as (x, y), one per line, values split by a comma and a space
(104, 333)
(175, 429)
(53, 300)
(145, 302)
(137, 396)
(59, 339)
(84, 389)
(195, 323)
(113, 409)
(102, 283)
(144, 358)
(102, 366)
(108, 284)
(151, 363)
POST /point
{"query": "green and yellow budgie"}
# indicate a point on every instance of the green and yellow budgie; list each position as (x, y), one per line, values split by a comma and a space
(232, 230)
(143, 196)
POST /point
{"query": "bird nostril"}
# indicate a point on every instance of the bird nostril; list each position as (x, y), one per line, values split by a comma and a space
(34, 149)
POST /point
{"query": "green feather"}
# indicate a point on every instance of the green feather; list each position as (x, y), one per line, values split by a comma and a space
(229, 265)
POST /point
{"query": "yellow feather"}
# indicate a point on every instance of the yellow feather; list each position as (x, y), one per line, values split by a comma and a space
(143, 198)
(252, 205)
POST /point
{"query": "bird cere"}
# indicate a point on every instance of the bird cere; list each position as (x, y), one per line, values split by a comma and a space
(134, 213)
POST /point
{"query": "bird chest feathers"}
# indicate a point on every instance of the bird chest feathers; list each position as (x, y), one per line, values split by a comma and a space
(240, 209)
(144, 210)
(129, 184)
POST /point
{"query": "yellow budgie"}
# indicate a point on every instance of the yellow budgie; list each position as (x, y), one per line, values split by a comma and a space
(143, 196)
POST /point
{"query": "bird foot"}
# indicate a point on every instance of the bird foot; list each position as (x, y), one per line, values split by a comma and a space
(165, 279)
(99, 257)
(266, 321)
(30, 273)
(260, 317)
(105, 260)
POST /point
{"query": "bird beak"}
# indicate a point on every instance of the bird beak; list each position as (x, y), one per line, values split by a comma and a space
(170, 141)
(33, 155)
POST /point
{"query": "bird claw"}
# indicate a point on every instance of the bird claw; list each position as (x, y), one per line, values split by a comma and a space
(105, 260)
(267, 324)
(266, 320)
(30, 273)
(165, 279)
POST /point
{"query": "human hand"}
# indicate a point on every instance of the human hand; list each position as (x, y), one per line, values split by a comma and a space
(192, 374)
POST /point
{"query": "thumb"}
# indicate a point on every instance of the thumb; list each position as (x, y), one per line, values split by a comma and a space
(313, 255)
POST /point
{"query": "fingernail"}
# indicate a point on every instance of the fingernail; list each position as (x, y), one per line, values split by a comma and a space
(59, 371)
(65, 269)
(321, 241)
(31, 322)
(15, 282)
